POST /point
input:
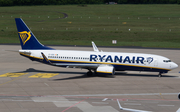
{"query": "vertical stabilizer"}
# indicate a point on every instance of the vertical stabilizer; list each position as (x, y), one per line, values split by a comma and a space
(27, 38)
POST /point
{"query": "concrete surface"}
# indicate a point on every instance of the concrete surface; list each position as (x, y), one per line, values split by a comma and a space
(28, 86)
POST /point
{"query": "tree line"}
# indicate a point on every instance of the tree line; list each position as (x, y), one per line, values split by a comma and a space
(71, 2)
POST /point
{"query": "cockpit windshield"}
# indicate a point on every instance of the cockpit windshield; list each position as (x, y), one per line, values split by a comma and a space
(166, 61)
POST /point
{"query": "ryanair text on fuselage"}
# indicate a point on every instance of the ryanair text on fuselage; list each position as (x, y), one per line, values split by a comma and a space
(120, 59)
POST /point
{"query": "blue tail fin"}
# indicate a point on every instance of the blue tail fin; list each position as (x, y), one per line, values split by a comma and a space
(27, 38)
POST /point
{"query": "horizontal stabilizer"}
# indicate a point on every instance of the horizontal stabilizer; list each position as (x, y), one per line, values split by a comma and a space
(45, 59)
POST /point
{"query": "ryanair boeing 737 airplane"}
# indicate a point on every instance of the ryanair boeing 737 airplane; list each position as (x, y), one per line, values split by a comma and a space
(94, 61)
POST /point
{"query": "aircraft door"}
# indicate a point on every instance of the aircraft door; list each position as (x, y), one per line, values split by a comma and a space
(155, 63)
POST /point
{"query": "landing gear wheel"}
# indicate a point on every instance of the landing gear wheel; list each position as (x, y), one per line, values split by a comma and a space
(160, 75)
(89, 73)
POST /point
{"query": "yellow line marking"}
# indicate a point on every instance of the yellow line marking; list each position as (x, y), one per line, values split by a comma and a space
(12, 80)
(12, 74)
(43, 75)
(161, 96)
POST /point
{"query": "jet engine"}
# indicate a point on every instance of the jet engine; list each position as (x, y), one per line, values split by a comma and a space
(106, 70)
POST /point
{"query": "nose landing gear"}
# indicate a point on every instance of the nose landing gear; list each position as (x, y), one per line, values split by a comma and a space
(160, 74)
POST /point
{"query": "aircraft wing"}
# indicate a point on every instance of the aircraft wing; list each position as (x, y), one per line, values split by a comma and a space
(72, 65)
(69, 65)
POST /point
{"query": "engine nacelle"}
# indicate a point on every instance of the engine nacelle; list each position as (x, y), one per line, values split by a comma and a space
(105, 70)
(179, 96)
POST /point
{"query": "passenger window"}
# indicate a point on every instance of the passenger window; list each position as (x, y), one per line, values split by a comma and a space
(166, 61)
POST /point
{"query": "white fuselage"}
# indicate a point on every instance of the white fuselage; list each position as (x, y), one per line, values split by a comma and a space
(120, 61)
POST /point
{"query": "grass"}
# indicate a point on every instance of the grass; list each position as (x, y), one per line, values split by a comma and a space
(150, 25)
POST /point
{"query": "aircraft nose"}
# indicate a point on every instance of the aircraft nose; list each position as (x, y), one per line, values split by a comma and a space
(174, 65)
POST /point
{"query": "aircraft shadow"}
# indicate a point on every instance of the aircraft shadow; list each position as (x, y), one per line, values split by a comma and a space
(141, 75)
(117, 74)
(43, 71)
(62, 72)
(85, 76)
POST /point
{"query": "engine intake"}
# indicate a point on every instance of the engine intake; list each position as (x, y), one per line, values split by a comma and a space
(106, 70)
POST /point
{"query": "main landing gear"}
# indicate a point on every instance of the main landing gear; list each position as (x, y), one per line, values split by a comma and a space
(90, 73)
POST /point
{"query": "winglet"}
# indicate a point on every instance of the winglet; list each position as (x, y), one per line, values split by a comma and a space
(45, 59)
(95, 47)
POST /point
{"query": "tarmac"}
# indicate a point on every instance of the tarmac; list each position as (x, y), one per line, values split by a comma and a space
(29, 86)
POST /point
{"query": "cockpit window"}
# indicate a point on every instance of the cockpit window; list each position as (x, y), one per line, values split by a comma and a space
(166, 61)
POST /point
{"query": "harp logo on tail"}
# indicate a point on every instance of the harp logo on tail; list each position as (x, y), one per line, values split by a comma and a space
(25, 36)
